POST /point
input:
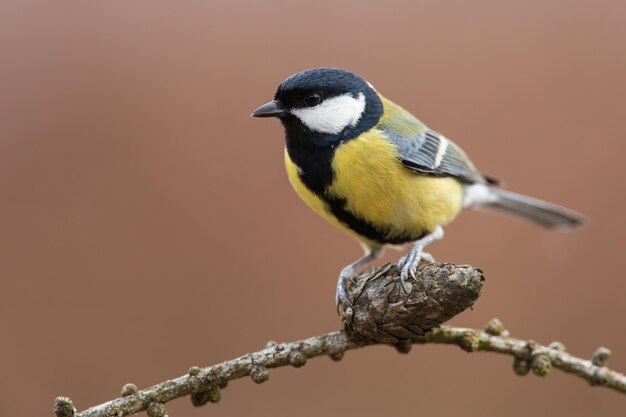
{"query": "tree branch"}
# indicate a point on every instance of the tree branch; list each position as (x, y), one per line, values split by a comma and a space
(384, 312)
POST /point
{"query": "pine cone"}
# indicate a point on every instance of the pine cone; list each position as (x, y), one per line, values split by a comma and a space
(383, 312)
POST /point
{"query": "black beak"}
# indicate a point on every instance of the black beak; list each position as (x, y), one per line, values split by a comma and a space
(272, 109)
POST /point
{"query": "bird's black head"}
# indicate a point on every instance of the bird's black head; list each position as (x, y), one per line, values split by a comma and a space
(324, 106)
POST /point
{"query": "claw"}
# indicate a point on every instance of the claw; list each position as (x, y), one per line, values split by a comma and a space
(401, 262)
(349, 274)
(404, 274)
(408, 263)
(409, 259)
(341, 299)
(407, 270)
(341, 296)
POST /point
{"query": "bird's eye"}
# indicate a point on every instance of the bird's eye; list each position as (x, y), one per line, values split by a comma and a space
(312, 100)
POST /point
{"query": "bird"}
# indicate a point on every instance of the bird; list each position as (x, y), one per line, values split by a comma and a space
(378, 173)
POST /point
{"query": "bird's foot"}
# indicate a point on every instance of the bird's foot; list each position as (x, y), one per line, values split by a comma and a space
(408, 263)
(341, 297)
(424, 256)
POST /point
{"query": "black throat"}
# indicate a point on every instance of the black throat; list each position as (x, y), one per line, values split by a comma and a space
(312, 153)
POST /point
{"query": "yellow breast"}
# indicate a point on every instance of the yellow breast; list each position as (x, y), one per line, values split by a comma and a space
(379, 189)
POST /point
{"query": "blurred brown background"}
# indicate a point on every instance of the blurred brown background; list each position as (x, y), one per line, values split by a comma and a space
(147, 224)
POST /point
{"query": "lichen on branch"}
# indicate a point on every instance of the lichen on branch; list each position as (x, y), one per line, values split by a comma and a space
(384, 312)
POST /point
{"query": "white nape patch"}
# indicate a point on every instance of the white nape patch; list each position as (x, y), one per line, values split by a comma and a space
(443, 145)
(477, 194)
(334, 114)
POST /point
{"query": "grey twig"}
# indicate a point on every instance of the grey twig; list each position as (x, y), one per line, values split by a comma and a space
(383, 313)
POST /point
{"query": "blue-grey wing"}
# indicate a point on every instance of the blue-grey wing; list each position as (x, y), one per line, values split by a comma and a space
(431, 153)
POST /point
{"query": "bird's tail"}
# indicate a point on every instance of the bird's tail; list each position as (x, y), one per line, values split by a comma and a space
(545, 214)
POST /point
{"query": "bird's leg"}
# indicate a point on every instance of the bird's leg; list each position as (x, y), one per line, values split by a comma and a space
(349, 273)
(408, 263)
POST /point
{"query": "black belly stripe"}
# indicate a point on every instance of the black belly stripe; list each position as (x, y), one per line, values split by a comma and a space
(365, 228)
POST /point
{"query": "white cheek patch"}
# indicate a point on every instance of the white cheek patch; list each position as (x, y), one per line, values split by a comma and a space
(333, 115)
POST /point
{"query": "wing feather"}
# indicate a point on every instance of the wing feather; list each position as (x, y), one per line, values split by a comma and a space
(425, 151)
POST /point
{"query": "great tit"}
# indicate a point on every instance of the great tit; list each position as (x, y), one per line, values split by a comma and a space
(375, 171)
